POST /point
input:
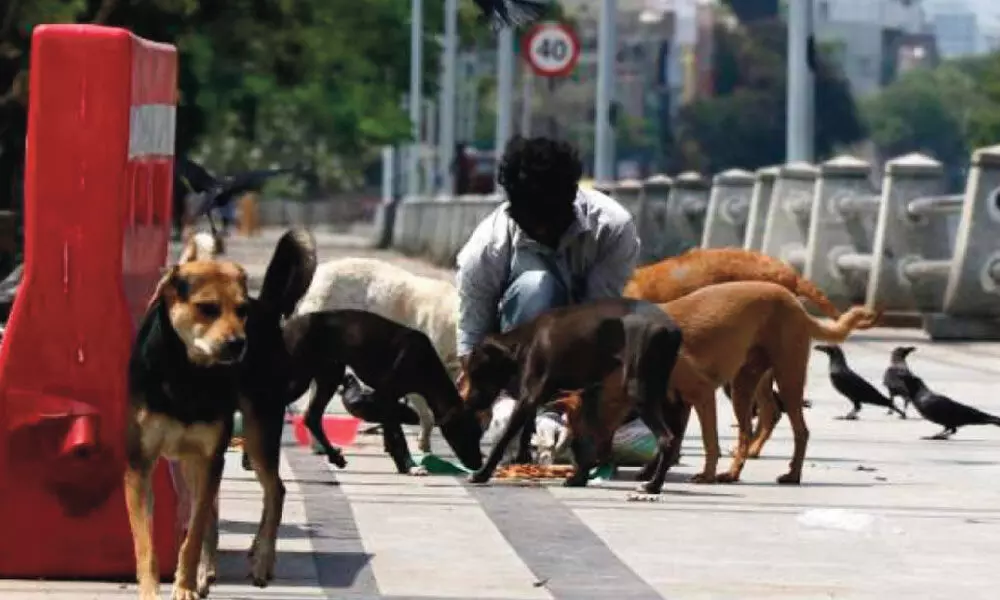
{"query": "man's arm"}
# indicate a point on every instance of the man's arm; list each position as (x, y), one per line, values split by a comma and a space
(614, 267)
(480, 284)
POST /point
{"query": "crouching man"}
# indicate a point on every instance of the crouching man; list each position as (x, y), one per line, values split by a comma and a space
(550, 244)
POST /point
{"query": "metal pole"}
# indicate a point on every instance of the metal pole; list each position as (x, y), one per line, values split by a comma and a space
(428, 149)
(527, 96)
(809, 140)
(505, 88)
(448, 92)
(388, 170)
(416, 101)
(473, 112)
(799, 135)
(604, 135)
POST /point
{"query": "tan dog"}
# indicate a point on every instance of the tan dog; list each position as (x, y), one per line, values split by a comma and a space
(183, 391)
(746, 333)
(678, 276)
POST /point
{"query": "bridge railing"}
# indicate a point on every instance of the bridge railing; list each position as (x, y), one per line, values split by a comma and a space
(907, 247)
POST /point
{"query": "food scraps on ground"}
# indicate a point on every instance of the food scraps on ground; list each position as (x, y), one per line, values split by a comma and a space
(528, 471)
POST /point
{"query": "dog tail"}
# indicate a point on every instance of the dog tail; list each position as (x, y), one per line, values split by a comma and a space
(289, 272)
(858, 317)
(808, 289)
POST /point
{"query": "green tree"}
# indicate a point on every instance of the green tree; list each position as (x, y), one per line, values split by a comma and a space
(311, 82)
(743, 125)
(982, 106)
(928, 111)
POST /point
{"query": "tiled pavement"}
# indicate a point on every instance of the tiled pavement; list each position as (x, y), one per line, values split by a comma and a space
(881, 513)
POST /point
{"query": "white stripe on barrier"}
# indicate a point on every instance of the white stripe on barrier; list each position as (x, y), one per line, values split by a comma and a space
(151, 130)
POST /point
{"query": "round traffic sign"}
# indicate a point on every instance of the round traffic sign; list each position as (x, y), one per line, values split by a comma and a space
(552, 49)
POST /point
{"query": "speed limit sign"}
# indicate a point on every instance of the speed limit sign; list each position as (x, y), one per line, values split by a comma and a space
(552, 49)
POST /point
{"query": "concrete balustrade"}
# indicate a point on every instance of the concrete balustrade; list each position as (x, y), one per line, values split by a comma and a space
(896, 248)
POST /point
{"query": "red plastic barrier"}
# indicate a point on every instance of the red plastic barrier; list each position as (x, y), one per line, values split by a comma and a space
(98, 179)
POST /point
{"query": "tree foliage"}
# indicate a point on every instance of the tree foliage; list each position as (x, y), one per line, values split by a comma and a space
(946, 112)
(262, 82)
(926, 110)
(743, 125)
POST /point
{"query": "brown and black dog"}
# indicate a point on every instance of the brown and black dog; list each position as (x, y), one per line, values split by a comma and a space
(578, 347)
(183, 382)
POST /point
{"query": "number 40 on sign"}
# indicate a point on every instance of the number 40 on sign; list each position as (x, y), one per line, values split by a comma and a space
(551, 49)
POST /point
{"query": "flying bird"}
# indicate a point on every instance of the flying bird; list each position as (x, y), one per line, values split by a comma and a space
(852, 386)
(942, 410)
(219, 191)
(511, 13)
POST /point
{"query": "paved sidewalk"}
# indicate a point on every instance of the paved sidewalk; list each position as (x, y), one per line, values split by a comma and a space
(880, 514)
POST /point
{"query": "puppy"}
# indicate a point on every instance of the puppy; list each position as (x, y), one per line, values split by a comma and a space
(550, 439)
(183, 382)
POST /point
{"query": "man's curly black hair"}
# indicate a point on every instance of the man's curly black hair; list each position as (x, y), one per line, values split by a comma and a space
(539, 174)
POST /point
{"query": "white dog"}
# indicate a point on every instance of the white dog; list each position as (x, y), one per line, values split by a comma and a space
(423, 303)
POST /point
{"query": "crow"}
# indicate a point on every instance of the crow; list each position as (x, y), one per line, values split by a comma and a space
(891, 379)
(943, 410)
(219, 191)
(511, 13)
(852, 386)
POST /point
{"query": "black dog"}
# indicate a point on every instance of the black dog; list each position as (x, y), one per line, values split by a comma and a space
(576, 348)
(391, 358)
(942, 410)
(852, 386)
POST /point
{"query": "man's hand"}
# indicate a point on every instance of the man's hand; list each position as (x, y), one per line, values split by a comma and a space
(462, 381)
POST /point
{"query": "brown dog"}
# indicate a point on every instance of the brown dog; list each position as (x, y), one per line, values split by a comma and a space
(578, 347)
(183, 388)
(744, 332)
(747, 333)
(678, 276)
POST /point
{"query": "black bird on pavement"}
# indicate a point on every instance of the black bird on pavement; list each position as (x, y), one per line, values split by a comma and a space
(892, 378)
(511, 13)
(942, 410)
(852, 386)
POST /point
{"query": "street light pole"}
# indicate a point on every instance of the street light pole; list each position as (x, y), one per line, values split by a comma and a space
(416, 101)
(505, 88)
(447, 117)
(604, 134)
(799, 129)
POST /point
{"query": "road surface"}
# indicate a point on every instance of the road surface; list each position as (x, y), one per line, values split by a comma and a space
(881, 513)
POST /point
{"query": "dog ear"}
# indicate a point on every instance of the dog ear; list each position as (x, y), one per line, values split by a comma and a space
(171, 278)
(190, 251)
(289, 273)
(610, 334)
(493, 349)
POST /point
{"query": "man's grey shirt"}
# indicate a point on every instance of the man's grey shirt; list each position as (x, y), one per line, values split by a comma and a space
(595, 258)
